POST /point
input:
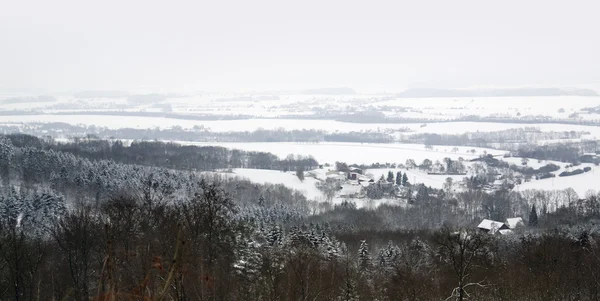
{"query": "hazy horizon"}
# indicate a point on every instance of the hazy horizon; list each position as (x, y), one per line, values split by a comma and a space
(385, 46)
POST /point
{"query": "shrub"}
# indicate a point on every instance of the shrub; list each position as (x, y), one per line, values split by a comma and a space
(570, 173)
(546, 176)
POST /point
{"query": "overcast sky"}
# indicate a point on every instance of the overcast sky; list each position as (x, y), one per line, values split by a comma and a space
(58, 45)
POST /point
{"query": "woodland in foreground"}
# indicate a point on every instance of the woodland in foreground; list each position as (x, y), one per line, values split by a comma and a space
(82, 222)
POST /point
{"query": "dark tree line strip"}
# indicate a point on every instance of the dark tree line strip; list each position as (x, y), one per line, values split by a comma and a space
(167, 155)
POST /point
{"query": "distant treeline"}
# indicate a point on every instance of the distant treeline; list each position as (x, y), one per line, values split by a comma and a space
(168, 155)
(134, 113)
(506, 139)
(200, 134)
(472, 118)
(41, 98)
(357, 117)
(567, 152)
(486, 139)
(592, 110)
(259, 135)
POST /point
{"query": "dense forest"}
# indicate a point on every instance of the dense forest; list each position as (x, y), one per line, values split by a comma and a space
(96, 220)
(168, 155)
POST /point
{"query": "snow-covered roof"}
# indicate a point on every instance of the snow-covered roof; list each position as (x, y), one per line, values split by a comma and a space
(336, 176)
(348, 190)
(365, 183)
(491, 225)
(363, 178)
(505, 231)
(514, 222)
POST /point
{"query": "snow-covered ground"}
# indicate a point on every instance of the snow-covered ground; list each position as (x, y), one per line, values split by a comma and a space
(463, 127)
(116, 122)
(358, 153)
(289, 179)
(268, 104)
(332, 126)
(533, 163)
(581, 183)
(494, 106)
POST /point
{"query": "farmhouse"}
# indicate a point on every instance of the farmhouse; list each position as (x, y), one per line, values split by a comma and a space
(362, 178)
(353, 176)
(351, 190)
(492, 227)
(334, 175)
(354, 173)
(356, 170)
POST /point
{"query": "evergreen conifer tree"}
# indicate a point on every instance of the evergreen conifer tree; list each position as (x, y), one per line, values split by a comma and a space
(533, 217)
(390, 177)
(364, 257)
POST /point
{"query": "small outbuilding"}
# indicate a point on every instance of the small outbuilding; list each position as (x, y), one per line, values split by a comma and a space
(515, 222)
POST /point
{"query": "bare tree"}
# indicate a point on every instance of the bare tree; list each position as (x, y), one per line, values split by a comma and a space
(464, 251)
(77, 235)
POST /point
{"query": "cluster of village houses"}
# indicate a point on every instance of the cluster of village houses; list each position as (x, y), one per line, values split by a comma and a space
(355, 183)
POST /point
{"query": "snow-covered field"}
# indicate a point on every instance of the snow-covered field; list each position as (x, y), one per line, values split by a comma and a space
(116, 122)
(494, 106)
(332, 126)
(463, 127)
(533, 163)
(581, 183)
(289, 179)
(358, 153)
(270, 105)
(111, 122)
(282, 104)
